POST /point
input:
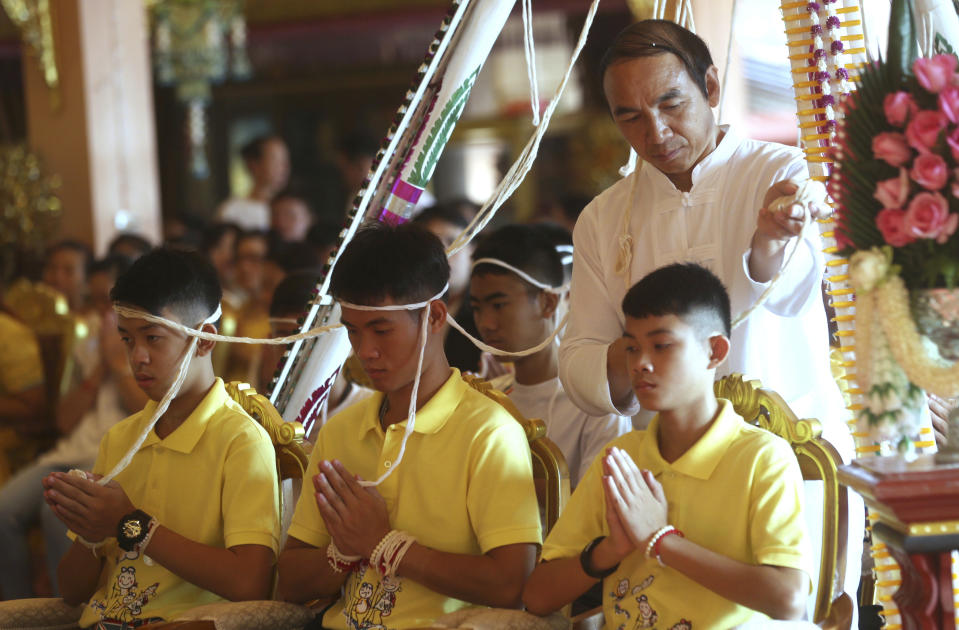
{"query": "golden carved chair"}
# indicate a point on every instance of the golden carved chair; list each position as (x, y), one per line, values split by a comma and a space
(818, 460)
(46, 312)
(291, 462)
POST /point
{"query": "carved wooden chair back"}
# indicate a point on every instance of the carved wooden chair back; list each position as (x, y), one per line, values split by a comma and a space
(818, 460)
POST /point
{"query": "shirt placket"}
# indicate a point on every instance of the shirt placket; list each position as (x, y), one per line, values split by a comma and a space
(701, 215)
(392, 439)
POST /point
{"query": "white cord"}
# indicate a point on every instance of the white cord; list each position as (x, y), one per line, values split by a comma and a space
(728, 63)
(503, 353)
(530, 50)
(522, 274)
(517, 172)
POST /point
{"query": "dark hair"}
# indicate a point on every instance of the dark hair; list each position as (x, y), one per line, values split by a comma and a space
(679, 289)
(406, 263)
(294, 256)
(526, 248)
(243, 235)
(554, 233)
(74, 246)
(252, 151)
(183, 281)
(358, 144)
(294, 293)
(114, 264)
(446, 212)
(214, 233)
(655, 37)
(324, 233)
(133, 241)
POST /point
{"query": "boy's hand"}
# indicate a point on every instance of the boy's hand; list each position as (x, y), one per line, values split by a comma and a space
(87, 508)
(636, 496)
(618, 539)
(355, 516)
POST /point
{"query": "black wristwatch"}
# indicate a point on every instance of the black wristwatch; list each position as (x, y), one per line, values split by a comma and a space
(132, 529)
(585, 561)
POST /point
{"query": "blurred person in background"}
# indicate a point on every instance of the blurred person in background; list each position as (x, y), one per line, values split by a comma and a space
(290, 216)
(106, 394)
(219, 246)
(66, 270)
(267, 160)
(130, 245)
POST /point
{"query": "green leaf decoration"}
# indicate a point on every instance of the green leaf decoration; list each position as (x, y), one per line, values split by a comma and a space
(903, 48)
(440, 133)
(940, 45)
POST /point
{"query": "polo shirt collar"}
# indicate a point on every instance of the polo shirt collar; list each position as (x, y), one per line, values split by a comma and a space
(702, 458)
(186, 436)
(430, 418)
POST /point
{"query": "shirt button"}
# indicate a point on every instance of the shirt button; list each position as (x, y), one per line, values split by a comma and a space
(387, 463)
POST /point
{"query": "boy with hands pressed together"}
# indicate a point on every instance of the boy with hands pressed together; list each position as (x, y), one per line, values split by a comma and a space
(697, 521)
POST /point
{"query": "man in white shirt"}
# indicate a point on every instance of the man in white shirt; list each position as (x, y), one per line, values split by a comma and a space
(268, 162)
(514, 313)
(700, 196)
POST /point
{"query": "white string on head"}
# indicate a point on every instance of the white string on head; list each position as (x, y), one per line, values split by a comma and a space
(170, 393)
(411, 412)
(125, 311)
(503, 353)
(530, 50)
(522, 274)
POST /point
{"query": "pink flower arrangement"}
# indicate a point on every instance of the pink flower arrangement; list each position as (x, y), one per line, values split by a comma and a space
(922, 142)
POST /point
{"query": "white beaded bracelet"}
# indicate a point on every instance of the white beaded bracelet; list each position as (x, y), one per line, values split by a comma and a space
(662, 531)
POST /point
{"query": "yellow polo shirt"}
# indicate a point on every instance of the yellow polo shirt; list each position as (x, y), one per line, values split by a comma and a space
(465, 485)
(20, 364)
(213, 480)
(738, 491)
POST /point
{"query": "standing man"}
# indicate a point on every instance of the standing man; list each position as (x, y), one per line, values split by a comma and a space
(700, 195)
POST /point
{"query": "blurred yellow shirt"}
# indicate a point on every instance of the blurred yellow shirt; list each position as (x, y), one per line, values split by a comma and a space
(20, 364)
(464, 485)
(738, 491)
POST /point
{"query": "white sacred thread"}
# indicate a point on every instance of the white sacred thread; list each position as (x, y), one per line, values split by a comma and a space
(411, 412)
(522, 274)
(170, 393)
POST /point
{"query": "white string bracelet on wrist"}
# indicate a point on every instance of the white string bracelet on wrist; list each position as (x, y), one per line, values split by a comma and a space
(141, 547)
(340, 561)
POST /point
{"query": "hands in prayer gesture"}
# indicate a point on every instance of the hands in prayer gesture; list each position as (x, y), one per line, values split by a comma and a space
(636, 507)
(355, 516)
(87, 508)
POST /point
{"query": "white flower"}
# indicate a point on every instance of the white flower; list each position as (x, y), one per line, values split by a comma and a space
(867, 268)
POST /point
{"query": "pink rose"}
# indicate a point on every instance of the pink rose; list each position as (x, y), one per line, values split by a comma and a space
(953, 141)
(929, 171)
(923, 130)
(928, 216)
(936, 72)
(891, 222)
(955, 183)
(899, 106)
(892, 148)
(892, 193)
(949, 103)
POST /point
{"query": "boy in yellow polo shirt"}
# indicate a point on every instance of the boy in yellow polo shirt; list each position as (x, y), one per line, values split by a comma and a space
(194, 517)
(454, 520)
(697, 521)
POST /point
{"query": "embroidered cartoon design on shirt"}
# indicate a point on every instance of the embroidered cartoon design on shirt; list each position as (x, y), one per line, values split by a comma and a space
(125, 603)
(368, 605)
(647, 616)
(622, 588)
(682, 624)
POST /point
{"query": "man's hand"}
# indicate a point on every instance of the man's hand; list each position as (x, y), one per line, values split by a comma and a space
(355, 516)
(636, 496)
(939, 409)
(87, 508)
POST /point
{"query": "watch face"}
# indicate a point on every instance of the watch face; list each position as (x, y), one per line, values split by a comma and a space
(132, 528)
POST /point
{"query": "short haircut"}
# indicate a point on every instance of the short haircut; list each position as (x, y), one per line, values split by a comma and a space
(525, 247)
(166, 278)
(681, 289)
(656, 37)
(243, 235)
(113, 264)
(294, 256)
(252, 151)
(293, 294)
(406, 263)
(445, 212)
(73, 246)
(213, 234)
(129, 240)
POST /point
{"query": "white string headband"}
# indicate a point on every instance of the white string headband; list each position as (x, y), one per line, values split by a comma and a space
(522, 274)
(411, 412)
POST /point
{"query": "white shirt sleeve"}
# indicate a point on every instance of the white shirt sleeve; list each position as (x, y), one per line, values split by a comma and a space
(594, 323)
(597, 433)
(799, 287)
